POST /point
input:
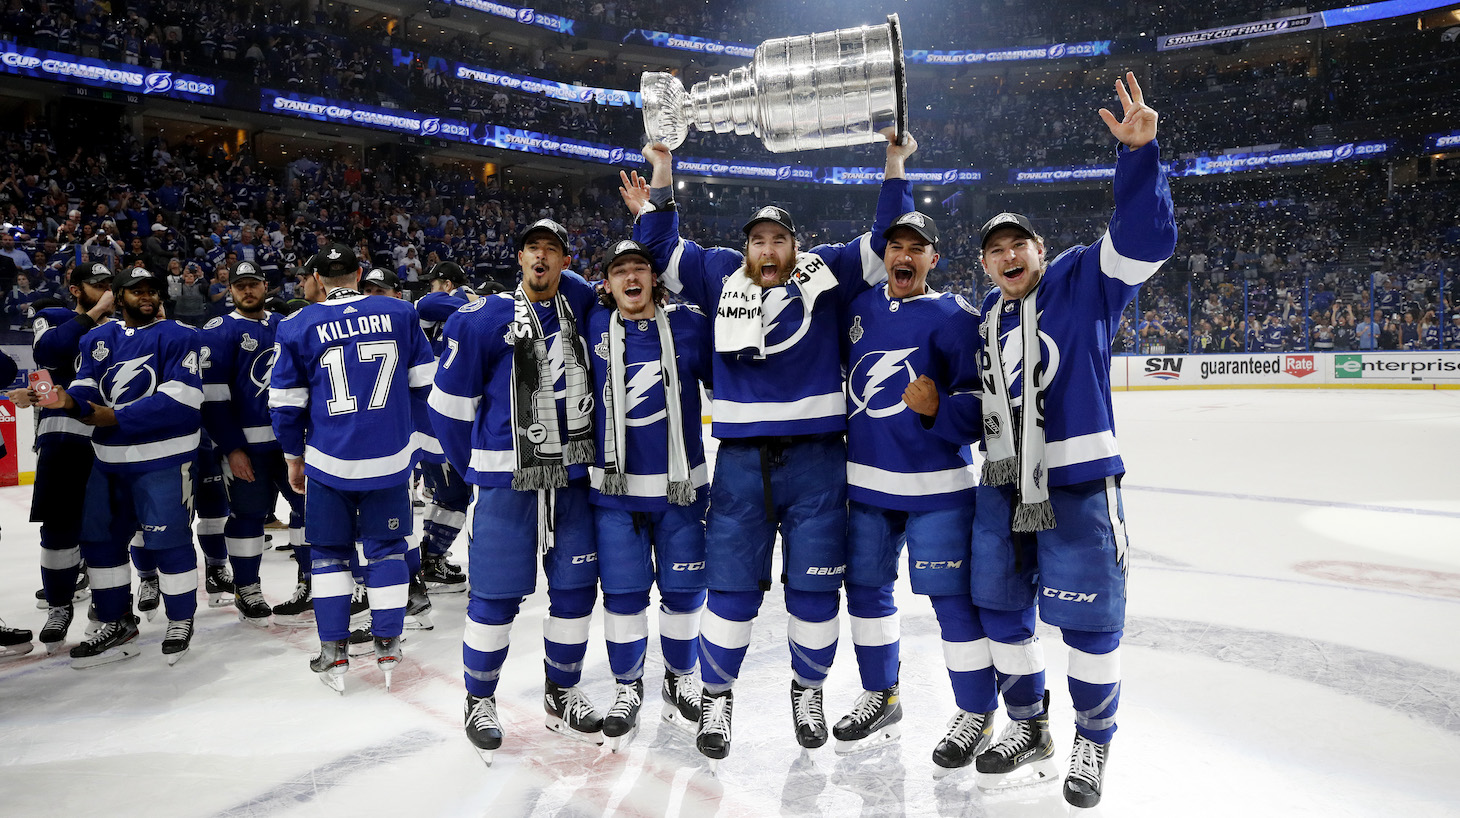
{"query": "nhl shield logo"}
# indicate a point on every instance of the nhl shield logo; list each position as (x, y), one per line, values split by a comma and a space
(249, 343)
(393, 523)
(991, 426)
(856, 332)
(100, 352)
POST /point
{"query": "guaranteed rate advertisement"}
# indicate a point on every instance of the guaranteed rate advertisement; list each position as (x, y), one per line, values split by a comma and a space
(57, 66)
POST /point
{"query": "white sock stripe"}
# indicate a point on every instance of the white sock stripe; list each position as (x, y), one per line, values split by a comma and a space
(486, 638)
(387, 597)
(966, 657)
(441, 516)
(60, 559)
(296, 536)
(813, 635)
(1095, 668)
(682, 626)
(211, 525)
(178, 584)
(1017, 660)
(874, 631)
(626, 628)
(334, 583)
(566, 631)
(244, 546)
(118, 577)
(724, 633)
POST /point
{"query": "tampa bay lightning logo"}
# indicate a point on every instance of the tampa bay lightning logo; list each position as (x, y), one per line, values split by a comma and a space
(785, 324)
(128, 381)
(615, 156)
(1056, 51)
(643, 404)
(158, 82)
(877, 381)
(525, 16)
(1343, 151)
(430, 126)
(1013, 354)
(262, 368)
(950, 176)
(783, 173)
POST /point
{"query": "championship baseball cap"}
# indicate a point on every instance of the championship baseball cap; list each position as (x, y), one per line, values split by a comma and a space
(1001, 221)
(132, 276)
(245, 269)
(333, 261)
(381, 277)
(628, 247)
(159, 227)
(544, 225)
(449, 270)
(918, 223)
(91, 272)
(771, 213)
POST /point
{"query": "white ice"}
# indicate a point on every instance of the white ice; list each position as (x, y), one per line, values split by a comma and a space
(1291, 650)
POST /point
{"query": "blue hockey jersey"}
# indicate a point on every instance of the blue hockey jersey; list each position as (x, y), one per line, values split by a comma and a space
(152, 378)
(237, 356)
(646, 447)
(796, 389)
(897, 458)
(339, 395)
(57, 349)
(434, 309)
(471, 406)
(1079, 302)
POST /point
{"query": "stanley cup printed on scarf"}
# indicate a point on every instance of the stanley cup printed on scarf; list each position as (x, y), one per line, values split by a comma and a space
(813, 91)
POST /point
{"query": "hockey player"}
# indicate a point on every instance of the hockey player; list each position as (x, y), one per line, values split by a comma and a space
(140, 387)
(513, 408)
(238, 353)
(339, 397)
(1049, 524)
(780, 413)
(649, 486)
(913, 381)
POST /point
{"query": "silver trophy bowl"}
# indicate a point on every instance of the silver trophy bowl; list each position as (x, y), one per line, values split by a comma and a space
(798, 93)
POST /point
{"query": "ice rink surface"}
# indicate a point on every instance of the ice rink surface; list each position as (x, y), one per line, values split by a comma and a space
(1291, 650)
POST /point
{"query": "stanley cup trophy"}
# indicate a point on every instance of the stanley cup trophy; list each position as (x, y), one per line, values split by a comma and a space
(813, 91)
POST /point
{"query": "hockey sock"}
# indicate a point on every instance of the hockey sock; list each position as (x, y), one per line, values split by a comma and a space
(110, 578)
(484, 645)
(725, 635)
(388, 585)
(60, 563)
(413, 559)
(1094, 682)
(1018, 660)
(439, 529)
(143, 560)
(812, 633)
(177, 578)
(357, 566)
(565, 633)
(626, 630)
(332, 584)
(212, 539)
(679, 629)
(874, 634)
(966, 653)
(245, 539)
(301, 560)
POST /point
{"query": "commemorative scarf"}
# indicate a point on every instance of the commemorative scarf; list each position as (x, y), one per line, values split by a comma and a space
(739, 320)
(615, 479)
(1006, 461)
(542, 456)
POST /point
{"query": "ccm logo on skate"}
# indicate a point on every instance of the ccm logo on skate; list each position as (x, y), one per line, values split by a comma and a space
(579, 559)
(936, 564)
(688, 566)
(826, 570)
(1069, 596)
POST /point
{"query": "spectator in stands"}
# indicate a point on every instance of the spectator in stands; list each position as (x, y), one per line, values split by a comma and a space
(19, 300)
(219, 294)
(1368, 331)
(1389, 333)
(189, 295)
(8, 249)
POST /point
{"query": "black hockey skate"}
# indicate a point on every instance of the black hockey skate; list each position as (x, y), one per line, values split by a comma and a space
(441, 576)
(418, 607)
(968, 735)
(622, 722)
(570, 713)
(219, 583)
(713, 740)
(114, 642)
(681, 696)
(58, 624)
(14, 642)
(178, 638)
(298, 612)
(83, 590)
(332, 663)
(1021, 756)
(807, 715)
(251, 605)
(149, 596)
(1087, 772)
(873, 722)
(483, 727)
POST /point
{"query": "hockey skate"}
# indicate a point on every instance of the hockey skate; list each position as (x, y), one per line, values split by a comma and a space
(418, 607)
(331, 664)
(713, 740)
(58, 624)
(251, 605)
(1087, 772)
(178, 638)
(968, 735)
(681, 696)
(570, 713)
(388, 654)
(83, 590)
(1021, 756)
(359, 608)
(114, 642)
(441, 576)
(219, 584)
(483, 728)
(874, 721)
(149, 596)
(298, 612)
(622, 722)
(14, 642)
(807, 715)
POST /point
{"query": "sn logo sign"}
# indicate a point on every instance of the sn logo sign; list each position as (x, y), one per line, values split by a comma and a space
(1166, 369)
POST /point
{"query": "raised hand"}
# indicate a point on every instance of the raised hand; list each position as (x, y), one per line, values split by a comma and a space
(634, 190)
(1139, 123)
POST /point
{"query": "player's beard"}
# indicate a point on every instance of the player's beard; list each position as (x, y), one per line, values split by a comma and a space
(137, 316)
(783, 271)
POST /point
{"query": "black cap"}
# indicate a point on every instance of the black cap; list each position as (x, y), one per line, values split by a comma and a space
(544, 225)
(91, 272)
(628, 247)
(381, 277)
(449, 270)
(132, 276)
(918, 223)
(771, 213)
(246, 269)
(1001, 221)
(334, 261)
